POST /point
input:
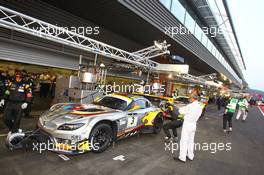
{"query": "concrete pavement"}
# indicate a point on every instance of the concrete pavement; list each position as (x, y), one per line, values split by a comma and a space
(146, 154)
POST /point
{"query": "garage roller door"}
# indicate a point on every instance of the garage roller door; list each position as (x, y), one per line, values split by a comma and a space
(25, 54)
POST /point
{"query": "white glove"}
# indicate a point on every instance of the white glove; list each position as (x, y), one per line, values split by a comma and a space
(24, 105)
(2, 103)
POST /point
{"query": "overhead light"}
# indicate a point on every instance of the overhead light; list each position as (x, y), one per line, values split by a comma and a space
(177, 59)
(170, 76)
(102, 65)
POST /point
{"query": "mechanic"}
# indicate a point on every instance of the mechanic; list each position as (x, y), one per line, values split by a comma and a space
(191, 113)
(230, 109)
(242, 109)
(17, 95)
(175, 122)
(30, 81)
(2, 85)
(175, 94)
(219, 102)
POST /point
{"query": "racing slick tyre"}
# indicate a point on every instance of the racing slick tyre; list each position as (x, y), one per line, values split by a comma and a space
(14, 141)
(101, 137)
(157, 125)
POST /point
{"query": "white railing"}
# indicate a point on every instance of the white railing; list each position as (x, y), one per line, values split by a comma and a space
(22, 23)
(19, 22)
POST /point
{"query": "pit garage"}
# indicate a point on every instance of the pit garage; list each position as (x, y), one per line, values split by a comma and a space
(76, 53)
(34, 48)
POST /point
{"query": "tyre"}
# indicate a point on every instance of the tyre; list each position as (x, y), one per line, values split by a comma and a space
(14, 142)
(101, 137)
(158, 123)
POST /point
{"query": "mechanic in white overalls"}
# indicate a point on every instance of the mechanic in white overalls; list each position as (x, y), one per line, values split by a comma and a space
(191, 113)
(243, 108)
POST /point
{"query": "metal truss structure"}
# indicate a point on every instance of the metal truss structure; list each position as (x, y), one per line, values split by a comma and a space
(191, 78)
(209, 76)
(158, 49)
(16, 21)
(19, 22)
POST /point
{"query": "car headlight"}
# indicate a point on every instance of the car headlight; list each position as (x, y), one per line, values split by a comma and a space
(70, 127)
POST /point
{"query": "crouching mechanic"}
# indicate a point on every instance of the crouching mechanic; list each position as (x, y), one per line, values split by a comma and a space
(17, 95)
(175, 122)
(192, 113)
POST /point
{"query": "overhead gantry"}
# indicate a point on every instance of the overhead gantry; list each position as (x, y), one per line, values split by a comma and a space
(16, 21)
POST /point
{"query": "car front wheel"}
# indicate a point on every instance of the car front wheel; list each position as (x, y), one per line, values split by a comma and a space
(157, 125)
(101, 137)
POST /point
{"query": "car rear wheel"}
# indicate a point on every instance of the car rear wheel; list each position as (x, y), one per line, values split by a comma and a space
(157, 125)
(101, 137)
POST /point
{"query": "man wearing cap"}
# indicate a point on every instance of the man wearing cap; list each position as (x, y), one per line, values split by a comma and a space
(192, 113)
(16, 96)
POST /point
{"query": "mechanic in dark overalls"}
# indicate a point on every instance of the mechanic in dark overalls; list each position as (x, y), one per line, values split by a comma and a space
(17, 95)
(30, 81)
(175, 122)
(2, 87)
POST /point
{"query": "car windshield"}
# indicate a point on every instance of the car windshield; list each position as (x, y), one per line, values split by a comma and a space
(154, 100)
(183, 99)
(112, 102)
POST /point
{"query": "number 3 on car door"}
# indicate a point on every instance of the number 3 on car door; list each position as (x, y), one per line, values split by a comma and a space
(131, 121)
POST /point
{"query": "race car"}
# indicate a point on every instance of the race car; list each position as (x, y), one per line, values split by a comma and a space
(185, 100)
(77, 128)
(156, 100)
(160, 102)
(182, 101)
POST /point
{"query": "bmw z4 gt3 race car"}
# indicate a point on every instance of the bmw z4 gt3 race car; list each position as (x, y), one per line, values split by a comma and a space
(77, 128)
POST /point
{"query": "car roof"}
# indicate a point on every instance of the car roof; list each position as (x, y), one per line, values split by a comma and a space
(182, 97)
(127, 97)
(119, 96)
(154, 96)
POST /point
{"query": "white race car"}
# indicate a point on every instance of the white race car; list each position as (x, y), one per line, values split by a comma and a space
(76, 128)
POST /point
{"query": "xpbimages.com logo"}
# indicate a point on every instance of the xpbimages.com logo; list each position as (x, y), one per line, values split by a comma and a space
(210, 147)
(57, 30)
(61, 147)
(131, 88)
(182, 30)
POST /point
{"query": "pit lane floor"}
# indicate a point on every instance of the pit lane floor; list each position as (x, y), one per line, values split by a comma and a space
(145, 154)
